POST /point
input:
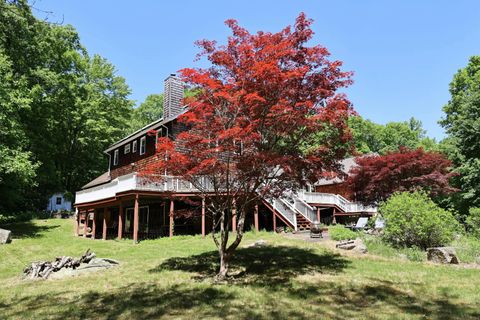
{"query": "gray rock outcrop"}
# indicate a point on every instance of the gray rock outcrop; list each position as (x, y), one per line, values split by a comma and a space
(5, 236)
(444, 255)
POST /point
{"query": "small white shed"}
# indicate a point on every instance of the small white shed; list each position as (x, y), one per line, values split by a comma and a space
(57, 202)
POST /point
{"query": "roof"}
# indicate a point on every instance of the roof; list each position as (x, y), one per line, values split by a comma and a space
(347, 165)
(136, 134)
(143, 131)
(101, 179)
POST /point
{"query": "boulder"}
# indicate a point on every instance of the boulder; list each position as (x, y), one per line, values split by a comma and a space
(5, 236)
(356, 245)
(445, 255)
(360, 246)
(257, 244)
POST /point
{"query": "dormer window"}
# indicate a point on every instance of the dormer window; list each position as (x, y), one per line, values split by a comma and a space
(126, 149)
(143, 145)
(134, 146)
(115, 157)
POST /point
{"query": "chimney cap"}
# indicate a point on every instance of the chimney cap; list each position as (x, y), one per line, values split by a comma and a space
(171, 75)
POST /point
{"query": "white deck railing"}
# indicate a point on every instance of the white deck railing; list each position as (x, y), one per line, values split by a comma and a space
(335, 199)
(305, 209)
(132, 182)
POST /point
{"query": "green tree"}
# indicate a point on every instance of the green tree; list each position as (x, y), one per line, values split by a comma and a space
(372, 137)
(148, 111)
(60, 108)
(462, 124)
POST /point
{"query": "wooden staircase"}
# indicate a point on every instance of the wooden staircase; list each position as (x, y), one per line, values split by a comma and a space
(302, 223)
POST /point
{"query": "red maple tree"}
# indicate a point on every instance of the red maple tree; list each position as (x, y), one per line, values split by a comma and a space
(377, 177)
(266, 118)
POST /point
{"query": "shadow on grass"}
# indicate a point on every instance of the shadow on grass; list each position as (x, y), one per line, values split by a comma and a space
(28, 229)
(265, 266)
(199, 300)
(141, 301)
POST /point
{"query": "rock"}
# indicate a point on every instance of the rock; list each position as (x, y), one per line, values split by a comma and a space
(257, 244)
(5, 236)
(445, 255)
(356, 245)
(360, 246)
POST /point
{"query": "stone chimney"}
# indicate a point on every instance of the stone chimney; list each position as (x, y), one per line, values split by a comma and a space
(172, 97)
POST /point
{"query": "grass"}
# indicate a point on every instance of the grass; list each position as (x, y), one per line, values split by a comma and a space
(172, 279)
(339, 232)
(466, 247)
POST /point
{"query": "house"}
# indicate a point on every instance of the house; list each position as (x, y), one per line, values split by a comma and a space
(120, 203)
(58, 202)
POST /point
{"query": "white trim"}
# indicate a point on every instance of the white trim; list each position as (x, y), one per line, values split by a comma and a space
(115, 157)
(126, 148)
(134, 146)
(143, 141)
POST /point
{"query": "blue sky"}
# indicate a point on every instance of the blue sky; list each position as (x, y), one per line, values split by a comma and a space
(403, 53)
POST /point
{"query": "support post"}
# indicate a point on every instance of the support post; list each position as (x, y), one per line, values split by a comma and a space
(274, 222)
(172, 208)
(94, 226)
(203, 217)
(104, 229)
(135, 220)
(234, 216)
(77, 223)
(255, 217)
(85, 223)
(334, 218)
(120, 221)
(318, 214)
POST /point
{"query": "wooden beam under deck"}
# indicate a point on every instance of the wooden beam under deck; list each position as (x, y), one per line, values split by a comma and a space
(135, 219)
(94, 226)
(172, 208)
(120, 221)
(203, 218)
(104, 227)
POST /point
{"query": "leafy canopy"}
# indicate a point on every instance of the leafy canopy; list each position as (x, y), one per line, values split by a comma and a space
(370, 137)
(265, 98)
(148, 111)
(462, 124)
(59, 109)
(377, 177)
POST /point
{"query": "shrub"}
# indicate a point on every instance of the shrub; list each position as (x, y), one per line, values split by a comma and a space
(6, 218)
(339, 232)
(413, 219)
(473, 222)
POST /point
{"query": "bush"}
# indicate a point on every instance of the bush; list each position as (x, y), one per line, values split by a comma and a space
(473, 222)
(7, 218)
(339, 232)
(414, 220)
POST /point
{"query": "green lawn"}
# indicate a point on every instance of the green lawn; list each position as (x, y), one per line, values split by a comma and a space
(172, 279)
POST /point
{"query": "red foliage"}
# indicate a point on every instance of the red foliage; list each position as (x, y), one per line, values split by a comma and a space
(266, 94)
(377, 177)
(257, 111)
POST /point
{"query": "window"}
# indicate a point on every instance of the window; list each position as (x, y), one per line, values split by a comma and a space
(115, 157)
(143, 145)
(134, 146)
(126, 149)
(59, 200)
(143, 219)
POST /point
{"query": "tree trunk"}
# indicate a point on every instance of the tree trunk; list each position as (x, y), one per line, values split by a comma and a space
(224, 263)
